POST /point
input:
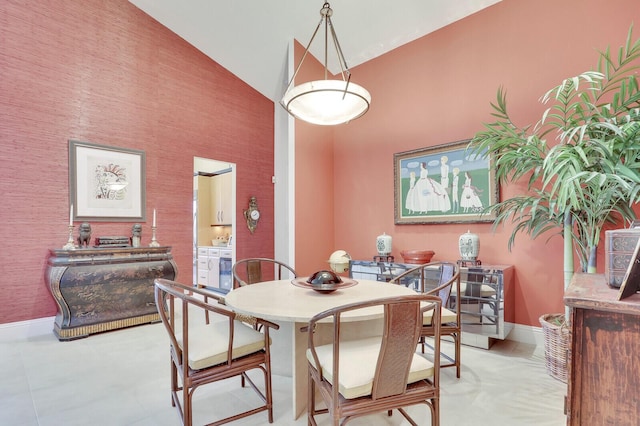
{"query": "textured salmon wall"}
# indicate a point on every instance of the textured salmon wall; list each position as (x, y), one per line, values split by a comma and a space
(106, 73)
(314, 213)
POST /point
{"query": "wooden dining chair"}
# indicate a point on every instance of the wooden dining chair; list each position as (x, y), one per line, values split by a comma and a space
(376, 374)
(212, 347)
(257, 269)
(440, 279)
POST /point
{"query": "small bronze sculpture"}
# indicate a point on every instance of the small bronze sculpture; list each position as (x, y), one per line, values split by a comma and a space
(84, 239)
(136, 236)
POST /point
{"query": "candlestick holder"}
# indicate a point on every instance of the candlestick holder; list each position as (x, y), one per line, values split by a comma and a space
(70, 244)
(154, 242)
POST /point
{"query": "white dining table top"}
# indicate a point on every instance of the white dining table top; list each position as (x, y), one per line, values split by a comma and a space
(280, 300)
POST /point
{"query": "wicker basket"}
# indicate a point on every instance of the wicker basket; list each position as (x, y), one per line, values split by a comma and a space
(557, 337)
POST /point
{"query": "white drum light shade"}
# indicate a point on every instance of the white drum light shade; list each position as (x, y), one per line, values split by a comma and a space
(327, 102)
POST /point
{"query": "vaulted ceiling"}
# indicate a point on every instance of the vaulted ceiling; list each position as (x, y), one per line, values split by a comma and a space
(250, 38)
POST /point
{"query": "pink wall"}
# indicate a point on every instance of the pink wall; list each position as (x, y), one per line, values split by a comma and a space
(314, 197)
(437, 90)
(105, 72)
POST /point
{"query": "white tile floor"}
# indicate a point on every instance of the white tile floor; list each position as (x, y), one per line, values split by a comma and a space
(122, 378)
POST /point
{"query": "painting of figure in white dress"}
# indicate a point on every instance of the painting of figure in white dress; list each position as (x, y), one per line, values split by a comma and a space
(443, 184)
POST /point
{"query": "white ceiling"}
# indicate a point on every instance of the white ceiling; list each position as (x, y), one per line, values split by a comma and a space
(250, 38)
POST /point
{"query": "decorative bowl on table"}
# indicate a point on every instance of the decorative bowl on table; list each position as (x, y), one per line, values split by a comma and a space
(417, 256)
(323, 281)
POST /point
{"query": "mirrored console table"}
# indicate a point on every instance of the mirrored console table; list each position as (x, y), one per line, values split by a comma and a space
(487, 300)
(101, 289)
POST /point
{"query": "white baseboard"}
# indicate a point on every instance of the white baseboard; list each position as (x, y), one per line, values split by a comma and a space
(527, 334)
(23, 330)
(519, 333)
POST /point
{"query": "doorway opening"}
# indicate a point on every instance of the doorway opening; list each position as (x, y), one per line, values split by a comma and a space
(214, 222)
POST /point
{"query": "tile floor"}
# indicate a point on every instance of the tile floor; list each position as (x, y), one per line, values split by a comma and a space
(122, 378)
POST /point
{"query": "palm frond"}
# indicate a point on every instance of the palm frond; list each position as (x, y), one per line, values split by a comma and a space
(581, 159)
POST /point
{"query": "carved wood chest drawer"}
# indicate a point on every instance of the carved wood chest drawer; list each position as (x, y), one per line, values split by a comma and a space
(101, 289)
(619, 246)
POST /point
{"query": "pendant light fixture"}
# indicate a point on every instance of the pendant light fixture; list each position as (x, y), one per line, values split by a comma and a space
(326, 102)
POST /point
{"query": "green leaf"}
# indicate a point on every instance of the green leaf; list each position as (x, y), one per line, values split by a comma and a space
(581, 159)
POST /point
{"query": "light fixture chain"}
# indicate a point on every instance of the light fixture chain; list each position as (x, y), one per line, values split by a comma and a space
(304, 55)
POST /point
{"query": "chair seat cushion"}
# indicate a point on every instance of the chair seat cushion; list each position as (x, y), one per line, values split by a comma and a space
(208, 343)
(358, 359)
(485, 289)
(446, 316)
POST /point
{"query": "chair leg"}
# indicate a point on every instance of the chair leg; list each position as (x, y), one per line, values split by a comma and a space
(186, 402)
(269, 389)
(174, 382)
(436, 412)
(457, 350)
(311, 400)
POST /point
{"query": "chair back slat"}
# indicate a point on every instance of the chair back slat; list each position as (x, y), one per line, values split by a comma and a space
(394, 361)
(254, 271)
(259, 269)
(442, 279)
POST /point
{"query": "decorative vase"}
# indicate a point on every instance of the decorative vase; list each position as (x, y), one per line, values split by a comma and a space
(339, 261)
(469, 245)
(383, 243)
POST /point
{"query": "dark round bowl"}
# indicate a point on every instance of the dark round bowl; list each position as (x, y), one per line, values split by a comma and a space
(324, 278)
(324, 282)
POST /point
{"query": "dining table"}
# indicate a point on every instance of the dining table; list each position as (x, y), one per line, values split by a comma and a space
(291, 304)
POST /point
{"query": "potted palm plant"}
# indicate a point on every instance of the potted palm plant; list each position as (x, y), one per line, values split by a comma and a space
(580, 160)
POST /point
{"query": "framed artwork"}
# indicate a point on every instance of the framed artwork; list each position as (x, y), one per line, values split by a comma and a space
(443, 184)
(106, 183)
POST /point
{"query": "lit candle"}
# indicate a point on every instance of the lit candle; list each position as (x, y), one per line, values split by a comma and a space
(71, 215)
(154, 218)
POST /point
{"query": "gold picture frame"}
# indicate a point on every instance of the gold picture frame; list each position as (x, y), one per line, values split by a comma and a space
(443, 184)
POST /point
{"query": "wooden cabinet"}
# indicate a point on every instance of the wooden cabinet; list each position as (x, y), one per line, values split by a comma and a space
(101, 289)
(221, 213)
(204, 213)
(604, 380)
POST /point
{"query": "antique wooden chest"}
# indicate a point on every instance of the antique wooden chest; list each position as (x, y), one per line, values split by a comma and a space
(619, 247)
(101, 289)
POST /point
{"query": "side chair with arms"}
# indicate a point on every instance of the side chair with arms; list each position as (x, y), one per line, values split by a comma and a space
(257, 269)
(440, 279)
(377, 374)
(208, 343)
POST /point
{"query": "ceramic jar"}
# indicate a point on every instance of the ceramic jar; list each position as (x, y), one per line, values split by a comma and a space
(469, 245)
(339, 261)
(383, 244)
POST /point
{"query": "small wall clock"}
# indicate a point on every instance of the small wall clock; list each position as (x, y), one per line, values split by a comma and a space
(252, 214)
